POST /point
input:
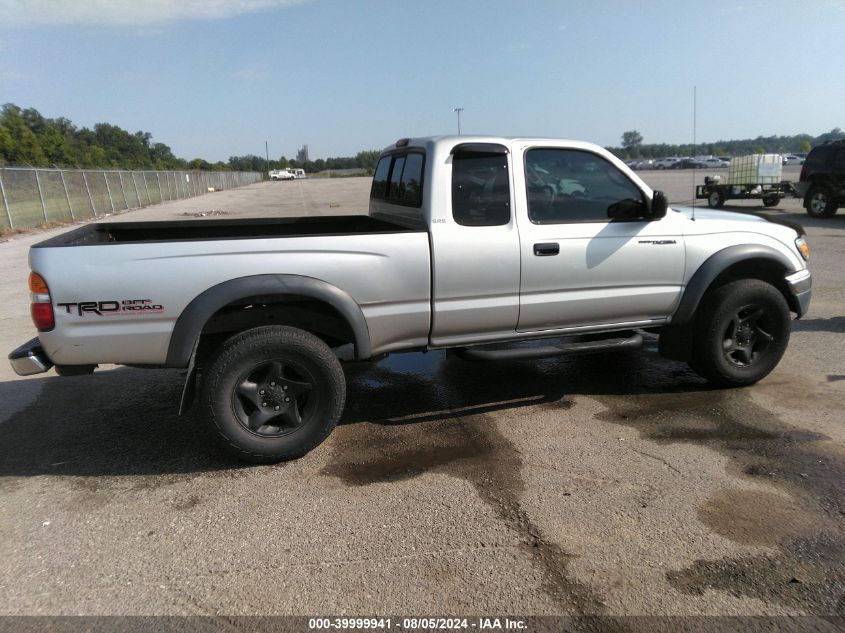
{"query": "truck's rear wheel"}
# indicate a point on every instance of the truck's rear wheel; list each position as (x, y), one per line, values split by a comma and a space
(741, 333)
(771, 201)
(273, 393)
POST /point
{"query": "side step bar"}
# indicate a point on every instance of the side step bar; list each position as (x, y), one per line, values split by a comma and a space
(487, 352)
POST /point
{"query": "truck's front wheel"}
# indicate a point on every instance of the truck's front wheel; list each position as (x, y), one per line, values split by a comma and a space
(273, 393)
(741, 333)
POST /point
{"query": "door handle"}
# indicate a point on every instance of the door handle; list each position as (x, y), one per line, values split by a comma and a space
(546, 249)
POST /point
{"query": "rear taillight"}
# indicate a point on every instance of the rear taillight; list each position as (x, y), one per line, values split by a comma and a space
(42, 304)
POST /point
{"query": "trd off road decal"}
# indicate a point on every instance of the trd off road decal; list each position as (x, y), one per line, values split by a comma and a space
(112, 308)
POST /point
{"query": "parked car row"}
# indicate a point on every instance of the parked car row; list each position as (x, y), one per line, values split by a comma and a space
(679, 162)
(700, 162)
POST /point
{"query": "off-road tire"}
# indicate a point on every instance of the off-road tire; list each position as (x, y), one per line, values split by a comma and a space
(732, 347)
(284, 357)
(820, 202)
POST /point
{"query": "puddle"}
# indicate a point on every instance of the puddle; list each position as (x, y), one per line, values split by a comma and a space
(431, 426)
(806, 526)
(807, 576)
(753, 517)
(730, 422)
(666, 403)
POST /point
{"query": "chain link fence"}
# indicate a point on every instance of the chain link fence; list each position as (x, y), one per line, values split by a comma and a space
(32, 197)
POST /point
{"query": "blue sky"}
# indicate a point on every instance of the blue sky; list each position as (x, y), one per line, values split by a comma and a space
(214, 78)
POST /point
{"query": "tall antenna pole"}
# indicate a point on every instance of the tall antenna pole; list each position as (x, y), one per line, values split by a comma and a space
(267, 154)
(694, 144)
(458, 110)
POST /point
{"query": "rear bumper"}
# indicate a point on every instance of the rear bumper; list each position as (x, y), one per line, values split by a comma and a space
(801, 287)
(30, 359)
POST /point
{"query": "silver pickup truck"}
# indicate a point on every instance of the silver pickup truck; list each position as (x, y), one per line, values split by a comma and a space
(472, 244)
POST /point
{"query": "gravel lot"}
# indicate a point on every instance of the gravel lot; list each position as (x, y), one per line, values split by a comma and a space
(616, 484)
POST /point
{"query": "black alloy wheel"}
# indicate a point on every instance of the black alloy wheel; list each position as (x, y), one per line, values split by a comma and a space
(746, 337)
(273, 398)
(273, 393)
(741, 333)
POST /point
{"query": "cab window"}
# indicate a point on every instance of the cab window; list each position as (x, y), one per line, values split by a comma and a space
(481, 194)
(567, 185)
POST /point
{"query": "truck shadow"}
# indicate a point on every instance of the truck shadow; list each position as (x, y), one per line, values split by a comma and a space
(419, 388)
(124, 421)
(833, 324)
(117, 422)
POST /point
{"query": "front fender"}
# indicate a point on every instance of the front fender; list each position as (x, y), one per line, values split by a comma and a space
(714, 266)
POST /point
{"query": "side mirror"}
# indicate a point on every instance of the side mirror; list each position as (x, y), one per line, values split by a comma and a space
(627, 209)
(659, 205)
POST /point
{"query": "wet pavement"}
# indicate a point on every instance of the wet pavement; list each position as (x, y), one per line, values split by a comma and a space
(611, 484)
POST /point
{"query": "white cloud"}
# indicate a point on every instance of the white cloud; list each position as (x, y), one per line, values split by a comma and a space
(128, 12)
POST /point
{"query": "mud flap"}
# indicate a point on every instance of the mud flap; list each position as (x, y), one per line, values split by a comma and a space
(189, 390)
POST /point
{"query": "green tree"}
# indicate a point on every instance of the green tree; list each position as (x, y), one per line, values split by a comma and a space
(30, 138)
(25, 147)
(6, 142)
(834, 135)
(631, 141)
(249, 162)
(199, 163)
(163, 158)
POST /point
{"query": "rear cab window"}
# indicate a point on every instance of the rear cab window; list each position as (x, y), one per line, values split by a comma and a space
(398, 178)
(379, 187)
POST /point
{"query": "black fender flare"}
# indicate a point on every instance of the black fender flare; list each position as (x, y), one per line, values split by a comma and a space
(196, 314)
(714, 266)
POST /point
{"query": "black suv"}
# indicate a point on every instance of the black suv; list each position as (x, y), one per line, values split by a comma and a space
(823, 179)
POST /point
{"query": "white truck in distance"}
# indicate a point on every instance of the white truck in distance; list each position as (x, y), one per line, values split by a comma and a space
(281, 174)
(472, 244)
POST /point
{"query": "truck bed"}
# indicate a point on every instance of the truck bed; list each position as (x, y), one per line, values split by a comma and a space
(196, 230)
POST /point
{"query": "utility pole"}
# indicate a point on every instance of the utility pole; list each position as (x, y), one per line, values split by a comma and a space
(458, 110)
(267, 154)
